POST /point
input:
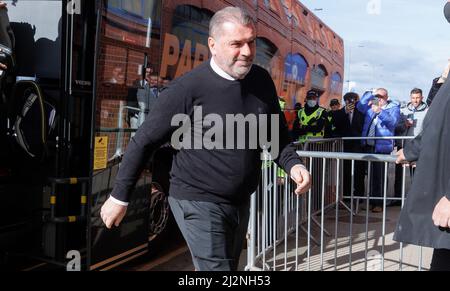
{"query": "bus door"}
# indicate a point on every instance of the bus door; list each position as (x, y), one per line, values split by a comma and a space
(47, 193)
(127, 86)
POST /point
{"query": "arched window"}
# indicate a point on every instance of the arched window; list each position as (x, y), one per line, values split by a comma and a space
(265, 52)
(318, 76)
(295, 68)
(336, 83)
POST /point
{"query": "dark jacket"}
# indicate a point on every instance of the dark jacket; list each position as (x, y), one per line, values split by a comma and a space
(432, 177)
(345, 128)
(7, 40)
(435, 86)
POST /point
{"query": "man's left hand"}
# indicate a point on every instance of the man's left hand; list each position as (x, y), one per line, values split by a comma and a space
(302, 177)
(441, 213)
(2, 4)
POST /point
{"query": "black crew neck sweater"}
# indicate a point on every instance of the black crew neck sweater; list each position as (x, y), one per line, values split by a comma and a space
(212, 175)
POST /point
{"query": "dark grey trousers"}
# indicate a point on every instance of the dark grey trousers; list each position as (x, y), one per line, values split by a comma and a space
(214, 232)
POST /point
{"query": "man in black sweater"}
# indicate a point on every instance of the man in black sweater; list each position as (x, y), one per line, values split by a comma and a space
(213, 177)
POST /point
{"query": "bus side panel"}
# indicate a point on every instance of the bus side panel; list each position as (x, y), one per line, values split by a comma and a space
(127, 79)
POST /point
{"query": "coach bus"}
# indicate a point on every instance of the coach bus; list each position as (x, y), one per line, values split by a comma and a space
(98, 65)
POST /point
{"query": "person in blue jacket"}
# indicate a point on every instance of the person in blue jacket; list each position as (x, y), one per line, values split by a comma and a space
(381, 116)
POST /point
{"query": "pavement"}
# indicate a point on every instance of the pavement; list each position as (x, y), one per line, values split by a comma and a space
(338, 254)
(349, 248)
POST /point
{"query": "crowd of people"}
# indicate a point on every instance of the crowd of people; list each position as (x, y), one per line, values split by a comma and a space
(371, 117)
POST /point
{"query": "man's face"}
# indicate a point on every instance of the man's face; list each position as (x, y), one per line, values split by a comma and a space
(234, 49)
(153, 81)
(350, 104)
(350, 101)
(118, 75)
(416, 99)
(382, 96)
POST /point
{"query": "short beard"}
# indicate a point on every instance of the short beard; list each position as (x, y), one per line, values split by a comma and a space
(242, 72)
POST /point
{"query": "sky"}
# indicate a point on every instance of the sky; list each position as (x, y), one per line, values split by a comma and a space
(395, 44)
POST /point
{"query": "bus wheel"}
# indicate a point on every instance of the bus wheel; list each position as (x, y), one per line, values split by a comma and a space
(159, 211)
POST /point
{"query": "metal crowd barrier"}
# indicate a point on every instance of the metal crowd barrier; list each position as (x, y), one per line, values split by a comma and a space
(290, 232)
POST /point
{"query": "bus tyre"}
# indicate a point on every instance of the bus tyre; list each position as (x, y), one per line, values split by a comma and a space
(159, 211)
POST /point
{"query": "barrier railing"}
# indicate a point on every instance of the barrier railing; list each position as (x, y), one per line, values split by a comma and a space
(290, 232)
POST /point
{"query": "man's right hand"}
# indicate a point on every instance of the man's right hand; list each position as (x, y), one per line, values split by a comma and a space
(302, 177)
(112, 213)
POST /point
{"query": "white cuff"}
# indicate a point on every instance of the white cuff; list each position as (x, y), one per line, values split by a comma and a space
(118, 201)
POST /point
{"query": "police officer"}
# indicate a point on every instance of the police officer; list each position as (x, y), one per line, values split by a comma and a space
(313, 118)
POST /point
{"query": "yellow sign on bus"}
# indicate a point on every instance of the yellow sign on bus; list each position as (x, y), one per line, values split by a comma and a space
(101, 153)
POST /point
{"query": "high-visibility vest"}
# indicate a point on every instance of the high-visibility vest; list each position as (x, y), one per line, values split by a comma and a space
(280, 172)
(282, 104)
(330, 122)
(306, 120)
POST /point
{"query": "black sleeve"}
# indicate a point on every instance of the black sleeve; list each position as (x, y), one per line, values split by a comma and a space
(401, 129)
(341, 127)
(433, 91)
(412, 148)
(296, 128)
(154, 132)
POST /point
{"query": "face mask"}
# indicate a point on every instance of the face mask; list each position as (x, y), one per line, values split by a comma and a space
(447, 11)
(311, 103)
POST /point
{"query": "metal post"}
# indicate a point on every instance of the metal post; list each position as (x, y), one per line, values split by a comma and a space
(285, 225)
(384, 215)
(351, 215)
(252, 232)
(309, 219)
(403, 201)
(274, 212)
(322, 217)
(368, 189)
(337, 216)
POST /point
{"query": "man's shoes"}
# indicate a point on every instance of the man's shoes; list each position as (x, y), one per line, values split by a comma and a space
(377, 209)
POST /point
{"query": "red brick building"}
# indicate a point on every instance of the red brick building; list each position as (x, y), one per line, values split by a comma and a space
(300, 51)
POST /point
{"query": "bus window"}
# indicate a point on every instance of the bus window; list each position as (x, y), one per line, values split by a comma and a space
(134, 20)
(38, 49)
(127, 87)
(186, 44)
(128, 63)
